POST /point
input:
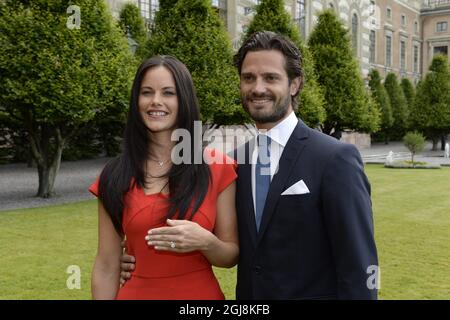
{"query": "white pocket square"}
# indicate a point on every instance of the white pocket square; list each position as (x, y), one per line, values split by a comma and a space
(297, 188)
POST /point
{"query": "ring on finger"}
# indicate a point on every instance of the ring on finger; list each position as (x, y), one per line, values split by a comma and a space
(172, 244)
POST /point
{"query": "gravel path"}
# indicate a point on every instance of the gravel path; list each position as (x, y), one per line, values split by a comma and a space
(19, 184)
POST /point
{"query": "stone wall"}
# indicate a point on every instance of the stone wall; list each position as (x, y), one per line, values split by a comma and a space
(227, 138)
(361, 140)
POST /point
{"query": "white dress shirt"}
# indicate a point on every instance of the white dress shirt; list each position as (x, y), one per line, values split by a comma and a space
(279, 136)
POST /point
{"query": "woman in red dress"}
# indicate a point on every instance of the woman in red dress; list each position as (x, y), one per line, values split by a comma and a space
(146, 195)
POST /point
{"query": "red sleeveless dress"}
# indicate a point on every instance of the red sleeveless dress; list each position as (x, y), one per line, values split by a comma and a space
(167, 275)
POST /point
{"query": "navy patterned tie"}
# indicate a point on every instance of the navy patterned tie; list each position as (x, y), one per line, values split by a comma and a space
(262, 176)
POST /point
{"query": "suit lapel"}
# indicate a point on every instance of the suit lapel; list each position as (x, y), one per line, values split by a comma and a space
(245, 186)
(291, 153)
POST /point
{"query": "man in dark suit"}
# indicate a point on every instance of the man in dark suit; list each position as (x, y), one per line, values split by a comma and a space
(303, 200)
(306, 230)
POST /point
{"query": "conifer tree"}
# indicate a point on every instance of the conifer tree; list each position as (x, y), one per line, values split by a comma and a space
(130, 20)
(399, 106)
(410, 95)
(347, 103)
(381, 98)
(431, 111)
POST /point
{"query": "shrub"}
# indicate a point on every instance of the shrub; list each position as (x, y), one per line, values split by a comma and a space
(415, 142)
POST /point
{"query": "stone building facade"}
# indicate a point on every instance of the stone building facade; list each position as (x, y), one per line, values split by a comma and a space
(400, 36)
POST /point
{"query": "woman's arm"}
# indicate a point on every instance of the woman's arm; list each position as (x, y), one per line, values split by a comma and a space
(219, 247)
(223, 248)
(106, 271)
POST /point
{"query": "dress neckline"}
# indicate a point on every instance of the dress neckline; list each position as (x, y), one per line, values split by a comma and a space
(164, 195)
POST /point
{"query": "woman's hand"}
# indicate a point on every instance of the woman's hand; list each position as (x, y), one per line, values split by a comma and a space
(180, 236)
(220, 248)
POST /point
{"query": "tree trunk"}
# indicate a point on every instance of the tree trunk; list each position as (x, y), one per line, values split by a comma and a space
(56, 163)
(435, 143)
(47, 174)
(30, 160)
(337, 135)
(44, 186)
(443, 141)
(328, 127)
(48, 159)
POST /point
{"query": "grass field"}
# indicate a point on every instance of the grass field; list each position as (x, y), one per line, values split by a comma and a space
(412, 223)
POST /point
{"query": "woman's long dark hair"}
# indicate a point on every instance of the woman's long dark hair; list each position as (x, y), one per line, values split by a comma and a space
(188, 182)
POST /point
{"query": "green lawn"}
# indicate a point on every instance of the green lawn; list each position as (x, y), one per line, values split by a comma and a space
(412, 231)
(412, 222)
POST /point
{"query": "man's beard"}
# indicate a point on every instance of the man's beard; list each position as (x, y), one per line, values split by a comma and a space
(278, 110)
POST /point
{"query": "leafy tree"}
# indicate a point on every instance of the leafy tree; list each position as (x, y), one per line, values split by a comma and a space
(191, 31)
(272, 16)
(381, 98)
(347, 103)
(415, 142)
(57, 75)
(431, 110)
(399, 106)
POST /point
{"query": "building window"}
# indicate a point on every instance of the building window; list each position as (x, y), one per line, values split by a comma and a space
(301, 17)
(416, 27)
(402, 55)
(388, 13)
(372, 7)
(416, 59)
(372, 46)
(247, 10)
(144, 5)
(154, 7)
(355, 33)
(255, 2)
(441, 26)
(440, 50)
(388, 51)
(221, 8)
(403, 20)
(148, 9)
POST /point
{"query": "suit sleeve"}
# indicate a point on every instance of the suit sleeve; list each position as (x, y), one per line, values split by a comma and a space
(348, 218)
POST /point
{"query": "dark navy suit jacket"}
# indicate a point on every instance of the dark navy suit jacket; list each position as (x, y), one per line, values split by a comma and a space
(318, 245)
